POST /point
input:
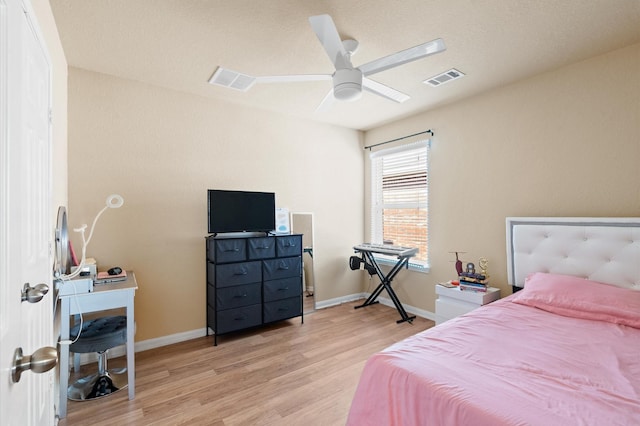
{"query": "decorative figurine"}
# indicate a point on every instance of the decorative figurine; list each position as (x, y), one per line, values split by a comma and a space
(484, 265)
(471, 268)
(458, 262)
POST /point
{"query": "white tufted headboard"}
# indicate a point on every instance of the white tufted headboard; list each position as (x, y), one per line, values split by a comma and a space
(601, 249)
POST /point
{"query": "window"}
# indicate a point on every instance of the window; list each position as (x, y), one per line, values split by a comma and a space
(399, 199)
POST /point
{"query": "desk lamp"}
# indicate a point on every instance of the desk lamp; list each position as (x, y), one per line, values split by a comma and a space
(114, 201)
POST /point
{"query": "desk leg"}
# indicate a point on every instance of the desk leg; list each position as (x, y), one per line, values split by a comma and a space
(76, 357)
(131, 367)
(64, 359)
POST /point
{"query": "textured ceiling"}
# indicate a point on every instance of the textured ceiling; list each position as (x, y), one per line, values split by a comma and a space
(178, 44)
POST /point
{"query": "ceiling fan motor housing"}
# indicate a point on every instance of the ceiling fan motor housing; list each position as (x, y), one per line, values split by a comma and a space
(347, 84)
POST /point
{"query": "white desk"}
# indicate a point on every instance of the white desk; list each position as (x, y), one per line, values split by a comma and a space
(103, 297)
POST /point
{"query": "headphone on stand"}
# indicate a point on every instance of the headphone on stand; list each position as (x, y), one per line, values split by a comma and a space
(355, 262)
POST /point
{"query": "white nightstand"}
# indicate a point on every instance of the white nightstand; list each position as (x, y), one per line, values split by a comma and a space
(453, 302)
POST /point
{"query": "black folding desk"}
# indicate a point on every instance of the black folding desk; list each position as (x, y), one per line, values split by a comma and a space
(403, 254)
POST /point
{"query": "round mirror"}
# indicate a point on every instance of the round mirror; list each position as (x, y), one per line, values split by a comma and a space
(61, 263)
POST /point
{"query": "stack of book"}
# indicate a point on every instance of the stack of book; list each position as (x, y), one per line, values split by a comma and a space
(473, 282)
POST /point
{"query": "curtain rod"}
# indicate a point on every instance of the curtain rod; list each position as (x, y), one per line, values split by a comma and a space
(398, 139)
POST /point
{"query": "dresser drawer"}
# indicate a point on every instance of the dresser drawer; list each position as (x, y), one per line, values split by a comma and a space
(282, 268)
(282, 289)
(238, 273)
(261, 248)
(226, 250)
(239, 318)
(252, 280)
(289, 245)
(475, 298)
(449, 308)
(282, 309)
(239, 295)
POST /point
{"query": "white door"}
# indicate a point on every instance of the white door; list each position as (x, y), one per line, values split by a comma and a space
(26, 221)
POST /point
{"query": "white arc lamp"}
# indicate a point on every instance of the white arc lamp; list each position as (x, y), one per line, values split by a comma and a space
(114, 201)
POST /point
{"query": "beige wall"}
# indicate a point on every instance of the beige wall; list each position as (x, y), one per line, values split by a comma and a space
(564, 143)
(162, 149)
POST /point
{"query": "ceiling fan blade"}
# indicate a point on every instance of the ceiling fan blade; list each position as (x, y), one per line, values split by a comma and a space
(384, 91)
(326, 102)
(328, 35)
(403, 57)
(292, 78)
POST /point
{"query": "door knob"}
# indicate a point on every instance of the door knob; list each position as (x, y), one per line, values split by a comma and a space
(42, 360)
(34, 294)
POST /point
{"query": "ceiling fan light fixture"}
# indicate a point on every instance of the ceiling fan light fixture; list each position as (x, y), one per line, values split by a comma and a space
(347, 84)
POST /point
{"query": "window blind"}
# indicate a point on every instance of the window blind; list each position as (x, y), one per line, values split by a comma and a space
(400, 193)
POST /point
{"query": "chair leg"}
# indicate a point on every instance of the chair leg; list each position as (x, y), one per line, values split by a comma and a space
(102, 362)
(103, 383)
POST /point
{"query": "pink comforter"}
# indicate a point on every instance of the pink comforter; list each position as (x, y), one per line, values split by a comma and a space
(505, 364)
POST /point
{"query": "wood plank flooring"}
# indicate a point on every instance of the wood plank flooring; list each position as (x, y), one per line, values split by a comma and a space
(285, 374)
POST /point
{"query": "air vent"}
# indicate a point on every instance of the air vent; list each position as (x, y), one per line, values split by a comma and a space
(445, 77)
(232, 79)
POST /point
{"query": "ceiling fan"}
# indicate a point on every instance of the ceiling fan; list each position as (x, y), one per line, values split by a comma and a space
(348, 81)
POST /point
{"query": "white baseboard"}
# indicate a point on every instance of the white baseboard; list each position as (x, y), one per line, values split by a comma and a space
(339, 300)
(383, 300)
(410, 309)
(158, 342)
(146, 345)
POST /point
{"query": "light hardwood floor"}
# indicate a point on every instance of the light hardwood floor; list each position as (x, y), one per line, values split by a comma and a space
(285, 374)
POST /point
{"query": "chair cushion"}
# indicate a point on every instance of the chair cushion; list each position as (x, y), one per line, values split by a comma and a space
(99, 334)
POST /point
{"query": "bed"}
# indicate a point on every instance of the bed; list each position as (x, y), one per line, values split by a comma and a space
(565, 350)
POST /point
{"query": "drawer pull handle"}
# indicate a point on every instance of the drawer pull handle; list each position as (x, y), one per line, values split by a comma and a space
(283, 289)
(282, 309)
(232, 249)
(240, 296)
(283, 266)
(239, 318)
(241, 272)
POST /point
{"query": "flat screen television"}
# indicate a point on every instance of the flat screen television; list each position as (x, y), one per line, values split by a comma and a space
(240, 211)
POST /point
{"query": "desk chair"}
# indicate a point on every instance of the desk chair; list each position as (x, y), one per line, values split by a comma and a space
(99, 335)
